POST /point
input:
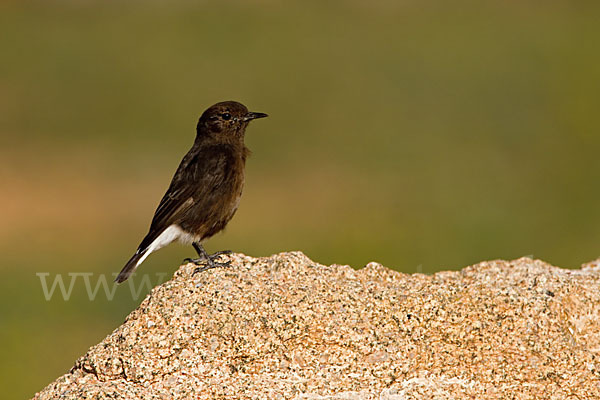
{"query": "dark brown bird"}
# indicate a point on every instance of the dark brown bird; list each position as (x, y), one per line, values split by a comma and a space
(206, 189)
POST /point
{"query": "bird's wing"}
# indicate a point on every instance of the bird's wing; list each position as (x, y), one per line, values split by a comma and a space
(199, 174)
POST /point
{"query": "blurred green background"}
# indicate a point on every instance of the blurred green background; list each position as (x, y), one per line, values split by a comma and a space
(423, 135)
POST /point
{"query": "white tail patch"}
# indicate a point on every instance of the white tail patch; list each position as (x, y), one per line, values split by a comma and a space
(167, 236)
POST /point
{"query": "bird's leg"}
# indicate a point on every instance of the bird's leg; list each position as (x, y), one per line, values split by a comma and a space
(202, 253)
(209, 259)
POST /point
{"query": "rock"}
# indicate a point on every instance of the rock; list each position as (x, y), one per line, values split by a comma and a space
(285, 327)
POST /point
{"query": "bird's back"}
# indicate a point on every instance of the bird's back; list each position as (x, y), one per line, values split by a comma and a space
(216, 174)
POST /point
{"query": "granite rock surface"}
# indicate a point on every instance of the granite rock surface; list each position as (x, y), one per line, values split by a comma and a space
(286, 327)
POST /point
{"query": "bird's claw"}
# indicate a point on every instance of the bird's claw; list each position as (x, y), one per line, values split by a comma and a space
(221, 253)
(210, 262)
(211, 265)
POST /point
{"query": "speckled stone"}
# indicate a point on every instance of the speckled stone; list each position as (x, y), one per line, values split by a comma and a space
(285, 327)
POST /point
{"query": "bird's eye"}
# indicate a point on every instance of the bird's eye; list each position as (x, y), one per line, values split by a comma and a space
(226, 116)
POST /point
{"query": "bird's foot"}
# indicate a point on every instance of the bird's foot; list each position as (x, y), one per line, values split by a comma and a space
(210, 261)
(221, 253)
(211, 265)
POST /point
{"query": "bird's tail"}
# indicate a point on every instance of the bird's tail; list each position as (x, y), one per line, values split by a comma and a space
(131, 265)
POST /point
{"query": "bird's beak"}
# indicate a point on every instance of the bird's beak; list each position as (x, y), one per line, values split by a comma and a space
(254, 115)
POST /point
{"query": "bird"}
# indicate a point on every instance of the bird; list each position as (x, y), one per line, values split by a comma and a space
(205, 191)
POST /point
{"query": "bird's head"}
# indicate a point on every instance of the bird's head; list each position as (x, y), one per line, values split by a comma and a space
(228, 118)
